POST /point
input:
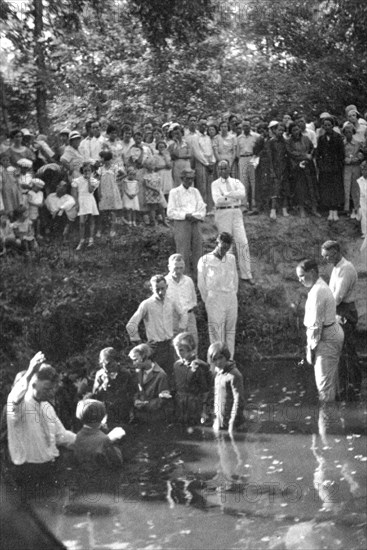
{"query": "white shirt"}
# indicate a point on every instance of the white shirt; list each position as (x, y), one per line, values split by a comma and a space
(181, 292)
(343, 281)
(217, 275)
(90, 147)
(34, 429)
(311, 136)
(182, 201)
(202, 149)
(158, 320)
(229, 192)
(65, 203)
(320, 310)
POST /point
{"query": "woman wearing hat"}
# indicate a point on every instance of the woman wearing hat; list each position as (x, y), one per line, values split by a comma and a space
(359, 123)
(72, 158)
(181, 153)
(330, 163)
(17, 150)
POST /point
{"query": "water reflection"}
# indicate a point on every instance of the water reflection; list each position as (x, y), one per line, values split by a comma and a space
(263, 489)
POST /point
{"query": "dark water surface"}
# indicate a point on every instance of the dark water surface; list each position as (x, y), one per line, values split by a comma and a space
(295, 480)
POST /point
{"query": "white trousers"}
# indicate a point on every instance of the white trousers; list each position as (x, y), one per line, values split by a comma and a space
(222, 308)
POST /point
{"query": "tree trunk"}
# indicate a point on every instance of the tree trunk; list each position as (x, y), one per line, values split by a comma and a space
(41, 78)
(4, 105)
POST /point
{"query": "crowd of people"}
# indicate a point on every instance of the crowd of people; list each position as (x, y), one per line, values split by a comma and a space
(290, 164)
(162, 173)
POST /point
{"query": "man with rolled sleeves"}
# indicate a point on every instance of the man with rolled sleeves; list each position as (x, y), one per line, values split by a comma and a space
(343, 281)
(227, 195)
(187, 209)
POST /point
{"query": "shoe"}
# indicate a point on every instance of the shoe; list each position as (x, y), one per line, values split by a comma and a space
(336, 217)
(112, 233)
(353, 215)
(253, 212)
(134, 224)
(330, 216)
(273, 214)
(124, 220)
(81, 244)
(99, 234)
(90, 242)
(285, 213)
(359, 215)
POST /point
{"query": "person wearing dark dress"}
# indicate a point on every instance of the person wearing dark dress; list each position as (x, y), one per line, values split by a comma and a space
(302, 170)
(279, 189)
(330, 162)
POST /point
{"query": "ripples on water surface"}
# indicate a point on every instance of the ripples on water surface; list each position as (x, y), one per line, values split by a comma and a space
(296, 480)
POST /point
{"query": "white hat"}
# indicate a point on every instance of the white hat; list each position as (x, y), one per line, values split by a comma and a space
(326, 115)
(26, 132)
(25, 163)
(74, 135)
(65, 131)
(273, 123)
(38, 183)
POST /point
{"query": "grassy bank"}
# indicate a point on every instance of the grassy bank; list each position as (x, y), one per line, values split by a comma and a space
(72, 304)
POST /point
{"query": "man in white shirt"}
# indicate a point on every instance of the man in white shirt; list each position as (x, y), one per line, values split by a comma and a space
(34, 430)
(245, 153)
(191, 131)
(324, 334)
(157, 313)
(227, 196)
(92, 145)
(187, 208)
(62, 209)
(343, 281)
(203, 152)
(218, 286)
(181, 290)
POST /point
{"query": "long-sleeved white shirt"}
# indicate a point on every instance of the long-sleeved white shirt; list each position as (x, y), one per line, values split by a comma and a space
(182, 201)
(343, 281)
(90, 147)
(65, 203)
(217, 275)
(202, 149)
(320, 311)
(229, 192)
(158, 320)
(34, 429)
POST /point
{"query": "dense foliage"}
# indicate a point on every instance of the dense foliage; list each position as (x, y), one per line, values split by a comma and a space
(129, 59)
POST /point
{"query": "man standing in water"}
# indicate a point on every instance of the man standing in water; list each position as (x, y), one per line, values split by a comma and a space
(342, 284)
(218, 286)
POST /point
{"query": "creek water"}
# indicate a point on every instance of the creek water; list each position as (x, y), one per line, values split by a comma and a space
(294, 480)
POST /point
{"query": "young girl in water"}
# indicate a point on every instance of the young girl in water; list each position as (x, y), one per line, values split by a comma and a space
(192, 380)
(82, 191)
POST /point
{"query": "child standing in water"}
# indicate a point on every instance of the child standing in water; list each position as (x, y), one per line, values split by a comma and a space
(130, 198)
(82, 191)
(109, 194)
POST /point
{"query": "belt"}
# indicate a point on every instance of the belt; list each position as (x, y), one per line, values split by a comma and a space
(327, 326)
(225, 207)
(247, 155)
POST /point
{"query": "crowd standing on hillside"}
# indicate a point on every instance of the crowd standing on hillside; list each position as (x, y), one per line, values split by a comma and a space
(293, 165)
(149, 174)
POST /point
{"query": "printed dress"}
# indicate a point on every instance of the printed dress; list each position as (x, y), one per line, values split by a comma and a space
(109, 191)
(132, 188)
